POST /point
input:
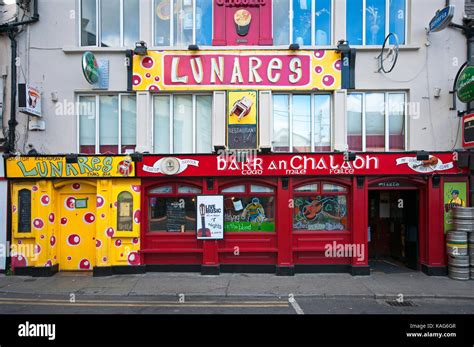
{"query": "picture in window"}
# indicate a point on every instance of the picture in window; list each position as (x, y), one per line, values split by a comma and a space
(172, 214)
(321, 212)
(246, 214)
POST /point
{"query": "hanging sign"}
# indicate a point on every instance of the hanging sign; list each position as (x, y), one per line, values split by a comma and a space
(465, 85)
(210, 217)
(90, 68)
(29, 100)
(468, 131)
(242, 120)
(442, 19)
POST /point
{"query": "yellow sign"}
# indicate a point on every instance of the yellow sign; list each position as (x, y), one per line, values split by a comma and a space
(242, 108)
(238, 70)
(56, 167)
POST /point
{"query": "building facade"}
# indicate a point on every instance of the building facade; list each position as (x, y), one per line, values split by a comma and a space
(311, 142)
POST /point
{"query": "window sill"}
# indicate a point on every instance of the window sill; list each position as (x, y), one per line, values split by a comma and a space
(73, 49)
(378, 48)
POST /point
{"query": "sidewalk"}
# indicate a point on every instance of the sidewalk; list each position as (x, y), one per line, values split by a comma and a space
(377, 285)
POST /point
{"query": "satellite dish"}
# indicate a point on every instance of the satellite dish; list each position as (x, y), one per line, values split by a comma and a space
(389, 54)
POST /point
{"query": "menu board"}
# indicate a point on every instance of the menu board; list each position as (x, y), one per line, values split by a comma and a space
(176, 216)
(24, 211)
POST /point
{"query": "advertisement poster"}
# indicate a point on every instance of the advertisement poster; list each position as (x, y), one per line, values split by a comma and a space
(210, 217)
(242, 120)
(455, 194)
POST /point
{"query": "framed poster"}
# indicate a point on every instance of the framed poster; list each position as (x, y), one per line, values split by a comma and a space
(210, 217)
(455, 194)
(242, 120)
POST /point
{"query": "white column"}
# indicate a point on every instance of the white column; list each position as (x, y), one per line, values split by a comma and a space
(265, 118)
(144, 122)
(219, 118)
(339, 124)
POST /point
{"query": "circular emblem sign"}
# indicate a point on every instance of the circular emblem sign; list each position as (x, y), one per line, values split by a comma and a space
(90, 68)
(465, 85)
(170, 166)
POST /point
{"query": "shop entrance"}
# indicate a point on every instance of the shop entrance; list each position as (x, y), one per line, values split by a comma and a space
(77, 229)
(393, 230)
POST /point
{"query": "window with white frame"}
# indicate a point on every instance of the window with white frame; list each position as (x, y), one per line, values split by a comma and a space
(376, 121)
(301, 122)
(306, 22)
(190, 22)
(107, 123)
(182, 123)
(368, 22)
(109, 23)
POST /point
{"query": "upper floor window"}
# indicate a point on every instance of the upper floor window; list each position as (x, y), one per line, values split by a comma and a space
(182, 123)
(306, 22)
(107, 123)
(368, 22)
(110, 23)
(189, 22)
(376, 121)
(301, 122)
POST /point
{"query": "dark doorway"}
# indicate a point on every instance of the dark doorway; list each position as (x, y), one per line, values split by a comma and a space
(393, 229)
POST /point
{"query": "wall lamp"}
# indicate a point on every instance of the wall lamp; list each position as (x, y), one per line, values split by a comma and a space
(136, 157)
(219, 149)
(265, 150)
(349, 156)
(294, 47)
(141, 48)
(422, 155)
(71, 158)
(343, 47)
(193, 48)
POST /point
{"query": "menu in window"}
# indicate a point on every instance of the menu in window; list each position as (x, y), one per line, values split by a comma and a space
(176, 215)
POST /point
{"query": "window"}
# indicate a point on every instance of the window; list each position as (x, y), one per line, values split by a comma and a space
(376, 121)
(320, 210)
(249, 208)
(182, 123)
(190, 23)
(110, 23)
(380, 17)
(309, 25)
(301, 122)
(24, 211)
(125, 212)
(107, 123)
(172, 208)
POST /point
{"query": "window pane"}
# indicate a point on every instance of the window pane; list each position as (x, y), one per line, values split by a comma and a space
(183, 124)
(162, 10)
(281, 22)
(322, 122)
(249, 214)
(323, 22)
(87, 124)
(354, 21)
(161, 190)
(333, 188)
(131, 22)
(281, 121)
(204, 123)
(375, 22)
(125, 212)
(110, 23)
(129, 123)
(322, 212)
(234, 189)
(108, 124)
(183, 22)
(188, 190)
(301, 109)
(172, 214)
(302, 22)
(308, 188)
(354, 122)
(88, 23)
(261, 189)
(204, 22)
(375, 121)
(397, 20)
(24, 211)
(161, 124)
(396, 108)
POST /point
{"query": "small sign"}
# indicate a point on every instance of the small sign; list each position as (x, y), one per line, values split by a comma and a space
(242, 120)
(29, 100)
(468, 131)
(80, 203)
(104, 73)
(442, 19)
(210, 217)
(90, 68)
(465, 85)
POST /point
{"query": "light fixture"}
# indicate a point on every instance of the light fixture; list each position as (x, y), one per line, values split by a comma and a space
(294, 47)
(136, 157)
(141, 48)
(219, 149)
(193, 48)
(422, 155)
(265, 150)
(71, 158)
(343, 46)
(349, 156)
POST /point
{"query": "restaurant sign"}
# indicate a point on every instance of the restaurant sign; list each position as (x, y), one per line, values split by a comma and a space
(56, 167)
(232, 69)
(301, 165)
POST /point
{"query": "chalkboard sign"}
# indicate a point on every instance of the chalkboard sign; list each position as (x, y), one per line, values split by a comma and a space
(24, 211)
(242, 136)
(176, 215)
